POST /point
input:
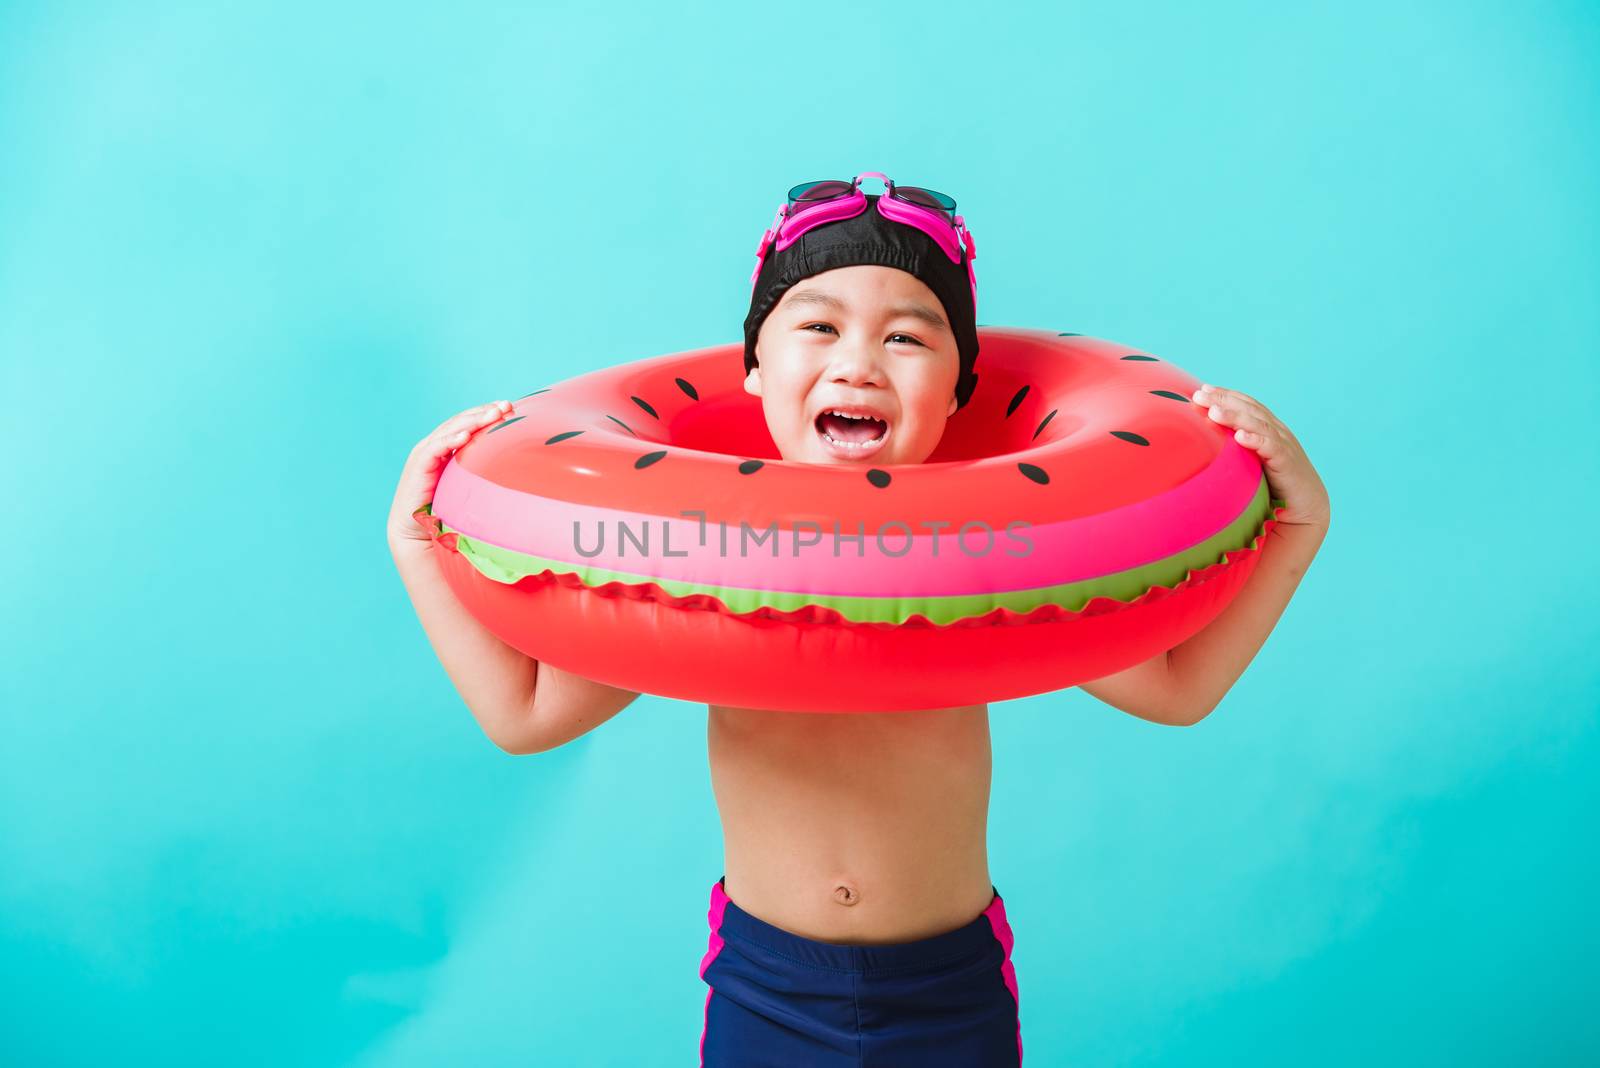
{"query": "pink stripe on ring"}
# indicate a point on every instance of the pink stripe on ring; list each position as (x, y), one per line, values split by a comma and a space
(934, 565)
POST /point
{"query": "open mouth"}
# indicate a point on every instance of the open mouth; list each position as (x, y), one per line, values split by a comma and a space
(851, 432)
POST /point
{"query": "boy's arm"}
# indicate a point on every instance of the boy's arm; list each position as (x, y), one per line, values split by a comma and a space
(1205, 667)
(567, 705)
(522, 705)
(1146, 690)
(1183, 685)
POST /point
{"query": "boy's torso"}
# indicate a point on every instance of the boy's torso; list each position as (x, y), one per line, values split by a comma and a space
(854, 828)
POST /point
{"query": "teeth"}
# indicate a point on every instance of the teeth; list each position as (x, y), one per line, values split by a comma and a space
(851, 444)
(848, 445)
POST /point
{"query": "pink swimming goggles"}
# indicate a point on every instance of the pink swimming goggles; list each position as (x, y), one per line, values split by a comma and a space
(811, 204)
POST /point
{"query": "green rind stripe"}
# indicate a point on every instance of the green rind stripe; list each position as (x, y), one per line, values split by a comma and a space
(508, 566)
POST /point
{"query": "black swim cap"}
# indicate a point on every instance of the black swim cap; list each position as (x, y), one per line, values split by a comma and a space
(869, 238)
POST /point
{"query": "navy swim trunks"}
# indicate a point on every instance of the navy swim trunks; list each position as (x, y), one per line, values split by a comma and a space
(778, 1000)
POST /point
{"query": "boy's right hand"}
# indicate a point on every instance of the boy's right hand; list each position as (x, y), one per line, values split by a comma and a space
(420, 476)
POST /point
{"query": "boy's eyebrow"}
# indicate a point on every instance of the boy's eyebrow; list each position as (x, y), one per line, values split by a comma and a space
(910, 307)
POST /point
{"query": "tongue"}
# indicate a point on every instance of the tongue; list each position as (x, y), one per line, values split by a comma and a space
(841, 429)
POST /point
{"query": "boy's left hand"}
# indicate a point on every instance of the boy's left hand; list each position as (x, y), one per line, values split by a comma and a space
(1290, 476)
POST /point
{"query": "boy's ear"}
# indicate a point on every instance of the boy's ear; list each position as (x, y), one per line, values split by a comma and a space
(953, 406)
(752, 381)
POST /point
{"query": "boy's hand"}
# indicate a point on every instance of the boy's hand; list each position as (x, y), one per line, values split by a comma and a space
(420, 476)
(1290, 476)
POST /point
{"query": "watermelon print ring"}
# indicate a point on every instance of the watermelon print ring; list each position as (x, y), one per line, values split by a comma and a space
(636, 525)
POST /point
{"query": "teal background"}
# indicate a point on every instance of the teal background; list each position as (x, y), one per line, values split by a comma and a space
(248, 258)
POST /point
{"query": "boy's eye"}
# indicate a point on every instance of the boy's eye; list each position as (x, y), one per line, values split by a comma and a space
(827, 326)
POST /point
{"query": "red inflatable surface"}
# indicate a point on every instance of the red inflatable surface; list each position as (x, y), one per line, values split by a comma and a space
(1079, 517)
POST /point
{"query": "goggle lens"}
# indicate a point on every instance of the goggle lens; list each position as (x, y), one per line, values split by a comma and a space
(811, 192)
(926, 198)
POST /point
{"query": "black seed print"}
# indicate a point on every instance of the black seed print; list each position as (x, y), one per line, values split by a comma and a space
(878, 478)
(535, 393)
(1023, 392)
(1068, 335)
(1035, 473)
(563, 436)
(1128, 435)
(687, 388)
(750, 467)
(1140, 356)
(508, 422)
(640, 402)
(648, 458)
(1170, 395)
(1046, 421)
(620, 423)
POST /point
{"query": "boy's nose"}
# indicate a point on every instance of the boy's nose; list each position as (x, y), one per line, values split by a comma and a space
(856, 365)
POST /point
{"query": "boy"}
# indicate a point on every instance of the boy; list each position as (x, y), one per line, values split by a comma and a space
(856, 922)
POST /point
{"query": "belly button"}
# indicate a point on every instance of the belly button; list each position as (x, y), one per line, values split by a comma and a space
(846, 895)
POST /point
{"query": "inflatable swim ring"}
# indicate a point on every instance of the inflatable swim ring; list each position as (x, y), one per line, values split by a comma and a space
(636, 525)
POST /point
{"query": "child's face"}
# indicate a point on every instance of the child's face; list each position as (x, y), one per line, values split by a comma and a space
(866, 339)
